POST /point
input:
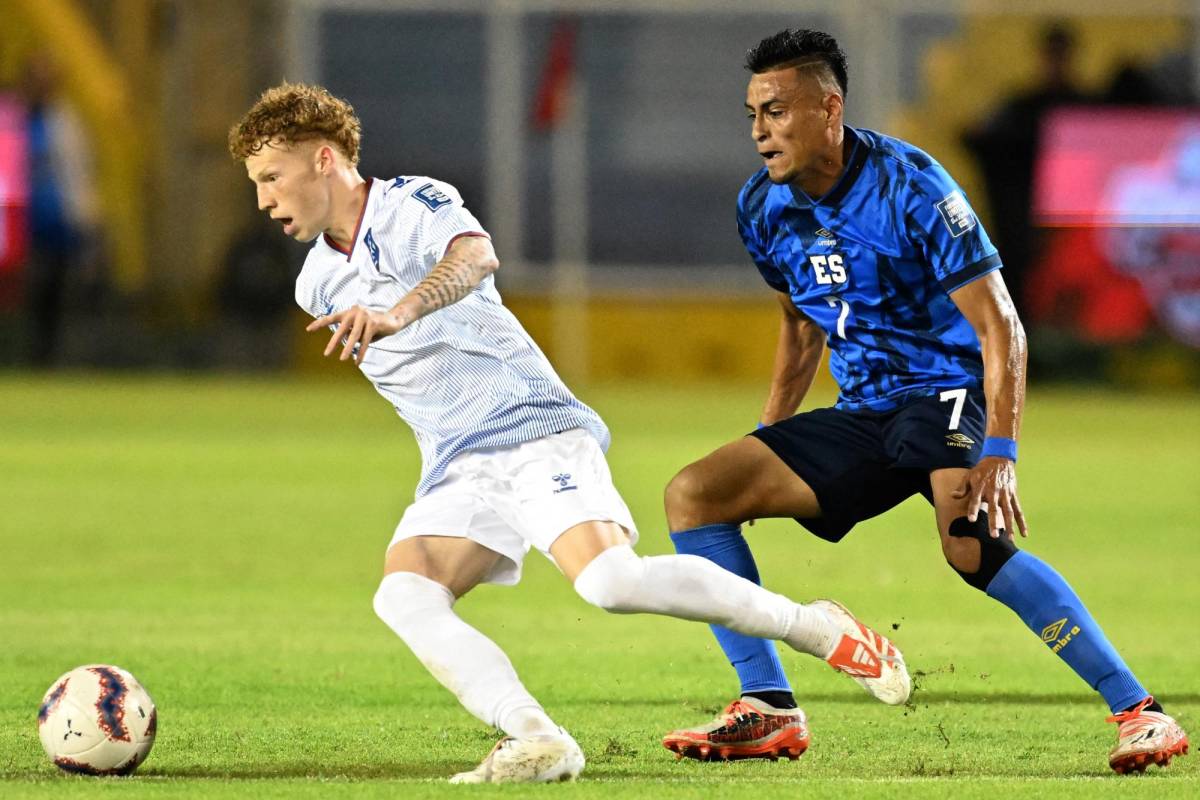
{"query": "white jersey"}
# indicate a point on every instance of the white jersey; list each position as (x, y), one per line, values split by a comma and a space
(466, 377)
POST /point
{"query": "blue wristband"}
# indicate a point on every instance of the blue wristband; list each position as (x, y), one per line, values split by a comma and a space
(999, 446)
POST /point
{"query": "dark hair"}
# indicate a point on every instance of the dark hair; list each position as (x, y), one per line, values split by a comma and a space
(793, 47)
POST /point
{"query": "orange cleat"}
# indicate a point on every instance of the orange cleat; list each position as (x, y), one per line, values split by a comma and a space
(864, 655)
(1145, 738)
(747, 728)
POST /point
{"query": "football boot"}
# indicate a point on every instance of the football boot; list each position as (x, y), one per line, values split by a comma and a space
(867, 657)
(747, 728)
(1145, 738)
(537, 759)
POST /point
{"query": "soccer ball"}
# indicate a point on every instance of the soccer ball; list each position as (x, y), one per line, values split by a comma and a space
(97, 720)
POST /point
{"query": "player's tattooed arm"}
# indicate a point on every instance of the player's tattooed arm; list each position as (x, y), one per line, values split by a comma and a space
(797, 357)
(988, 307)
(467, 261)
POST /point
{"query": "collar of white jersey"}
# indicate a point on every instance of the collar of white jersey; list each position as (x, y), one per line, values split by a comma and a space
(360, 230)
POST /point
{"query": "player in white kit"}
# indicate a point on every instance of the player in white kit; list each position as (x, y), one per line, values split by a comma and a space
(402, 273)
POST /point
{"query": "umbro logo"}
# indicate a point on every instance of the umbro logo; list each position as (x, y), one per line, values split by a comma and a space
(1051, 631)
(825, 237)
(959, 440)
(563, 479)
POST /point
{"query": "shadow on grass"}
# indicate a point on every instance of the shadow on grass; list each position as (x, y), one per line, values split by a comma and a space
(1024, 698)
(306, 769)
(854, 697)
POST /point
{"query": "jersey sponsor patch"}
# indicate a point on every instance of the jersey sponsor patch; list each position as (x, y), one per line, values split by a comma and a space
(956, 214)
(432, 197)
(372, 248)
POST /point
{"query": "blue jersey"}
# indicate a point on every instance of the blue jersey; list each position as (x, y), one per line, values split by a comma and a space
(873, 263)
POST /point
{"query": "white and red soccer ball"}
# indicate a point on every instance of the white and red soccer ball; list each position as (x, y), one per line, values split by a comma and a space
(97, 720)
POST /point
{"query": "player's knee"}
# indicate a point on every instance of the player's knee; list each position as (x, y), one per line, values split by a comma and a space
(962, 553)
(613, 581)
(404, 599)
(973, 553)
(685, 498)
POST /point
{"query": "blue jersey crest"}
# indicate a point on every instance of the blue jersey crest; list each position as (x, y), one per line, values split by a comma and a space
(372, 248)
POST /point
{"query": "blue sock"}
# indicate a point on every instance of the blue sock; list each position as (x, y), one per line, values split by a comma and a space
(756, 660)
(1051, 609)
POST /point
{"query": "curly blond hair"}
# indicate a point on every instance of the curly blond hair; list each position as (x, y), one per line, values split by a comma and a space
(296, 112)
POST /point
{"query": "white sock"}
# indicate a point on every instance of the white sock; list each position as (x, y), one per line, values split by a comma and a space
(461, 658)
(691, 587)
(813, 633)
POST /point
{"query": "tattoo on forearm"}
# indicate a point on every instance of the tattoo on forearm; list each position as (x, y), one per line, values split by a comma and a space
(451, 280)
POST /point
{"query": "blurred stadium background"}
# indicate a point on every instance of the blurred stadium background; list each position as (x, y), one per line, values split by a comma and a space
(603, 144)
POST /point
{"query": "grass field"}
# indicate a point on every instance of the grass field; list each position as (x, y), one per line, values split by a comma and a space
(222, 539)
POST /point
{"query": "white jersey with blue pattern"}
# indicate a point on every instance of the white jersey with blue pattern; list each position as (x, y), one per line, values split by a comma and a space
(466, 377)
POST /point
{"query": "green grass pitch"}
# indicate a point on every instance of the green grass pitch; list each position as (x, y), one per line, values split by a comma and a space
(222, 538)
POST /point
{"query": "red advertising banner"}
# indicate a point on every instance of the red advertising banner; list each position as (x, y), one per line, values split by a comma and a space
(14, 184)
(1118, 191)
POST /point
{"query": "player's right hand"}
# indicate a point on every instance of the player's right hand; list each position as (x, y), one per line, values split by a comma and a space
(357, 326)
(993, 481)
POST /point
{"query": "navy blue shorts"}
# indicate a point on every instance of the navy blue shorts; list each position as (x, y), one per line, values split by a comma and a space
(862, 463)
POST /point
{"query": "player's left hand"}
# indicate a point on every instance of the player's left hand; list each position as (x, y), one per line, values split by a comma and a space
(993, 481)
(357, 326)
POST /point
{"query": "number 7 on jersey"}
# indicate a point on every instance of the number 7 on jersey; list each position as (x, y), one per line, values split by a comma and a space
(834, 302)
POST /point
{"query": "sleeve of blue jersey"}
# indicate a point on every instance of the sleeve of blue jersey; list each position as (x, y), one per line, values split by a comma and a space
(748, 231)
(944, 227)
(971, 272)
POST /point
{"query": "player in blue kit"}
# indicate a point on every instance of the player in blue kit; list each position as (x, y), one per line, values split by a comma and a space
(874, 250)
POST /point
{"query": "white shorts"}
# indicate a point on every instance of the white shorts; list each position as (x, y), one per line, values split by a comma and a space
(510, 498)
